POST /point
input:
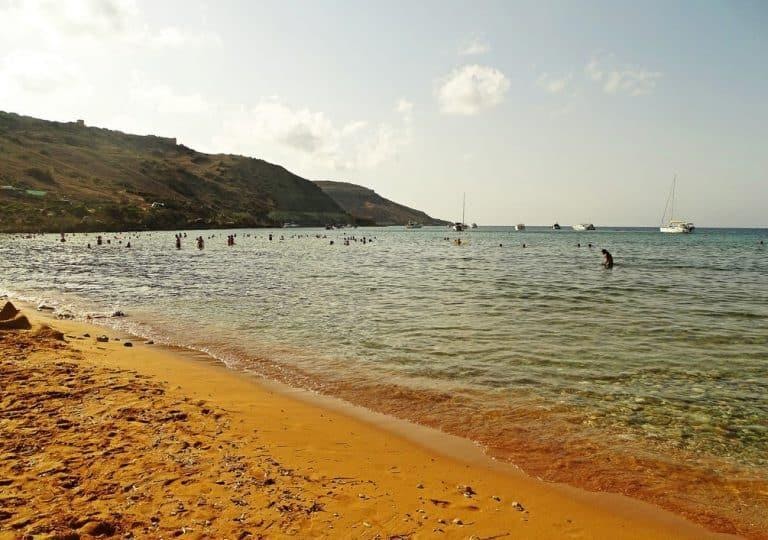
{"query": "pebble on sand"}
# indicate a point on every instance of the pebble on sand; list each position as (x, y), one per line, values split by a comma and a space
(8, 312)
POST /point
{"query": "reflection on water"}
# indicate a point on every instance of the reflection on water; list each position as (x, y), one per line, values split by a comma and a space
(649, 379)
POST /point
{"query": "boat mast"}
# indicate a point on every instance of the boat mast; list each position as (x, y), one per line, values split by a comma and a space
(463, 207)
(672, 210)
(670, 199)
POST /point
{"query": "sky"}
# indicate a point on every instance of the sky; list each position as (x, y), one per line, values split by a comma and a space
(539, 111)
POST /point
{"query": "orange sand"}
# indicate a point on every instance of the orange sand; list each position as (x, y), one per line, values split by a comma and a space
(99, 439)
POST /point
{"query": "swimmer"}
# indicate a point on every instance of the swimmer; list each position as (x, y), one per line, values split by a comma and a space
(607, 260)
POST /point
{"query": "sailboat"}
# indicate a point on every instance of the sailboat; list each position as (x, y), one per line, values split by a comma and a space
(460, 225)
(674, 225)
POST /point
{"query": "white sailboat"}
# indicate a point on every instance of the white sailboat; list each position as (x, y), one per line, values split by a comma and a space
(520, 227)
(461, 225)
(675, 226)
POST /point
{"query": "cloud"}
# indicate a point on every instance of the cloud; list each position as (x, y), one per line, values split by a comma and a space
(470, 89)
(162, 99)
(53, 52)
(474, 47)
(631, 81)
(42, 83)
(311, 136)
(79, 23)
(554, 85)
(403, 106)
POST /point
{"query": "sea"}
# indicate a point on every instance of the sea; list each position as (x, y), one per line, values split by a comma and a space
(649, 379)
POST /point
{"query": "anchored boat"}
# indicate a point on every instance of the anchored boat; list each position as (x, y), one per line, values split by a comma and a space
(677, 226)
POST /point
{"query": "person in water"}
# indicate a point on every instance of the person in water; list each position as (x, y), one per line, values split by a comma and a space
(607, 259)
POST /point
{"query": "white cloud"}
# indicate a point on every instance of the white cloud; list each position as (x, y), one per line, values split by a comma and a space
(52, 52)
(592, 69)
(632, 81)
(554, 85)
(311, 136)
(78, 24)
(475, 47)
(404, 106)
(42, 83)
(471, 89)
(162, 99)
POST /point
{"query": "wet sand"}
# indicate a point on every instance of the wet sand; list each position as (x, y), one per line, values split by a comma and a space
(100, 439)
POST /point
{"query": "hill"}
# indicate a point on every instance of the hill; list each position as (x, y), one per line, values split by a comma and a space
(365, 205)
(66, 176)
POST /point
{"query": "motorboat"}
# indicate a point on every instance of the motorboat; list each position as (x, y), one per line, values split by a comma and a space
(520, 227)
(556, 227)
(413, 225)
(584, 227)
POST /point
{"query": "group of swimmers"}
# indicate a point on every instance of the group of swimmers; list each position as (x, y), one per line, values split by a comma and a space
(607, 257)
(200, 241)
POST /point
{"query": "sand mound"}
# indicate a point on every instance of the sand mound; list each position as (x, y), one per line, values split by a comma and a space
(20, 322)
(8, 312)
(46, 332)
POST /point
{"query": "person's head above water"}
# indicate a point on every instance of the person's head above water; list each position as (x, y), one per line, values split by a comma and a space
(604, 251)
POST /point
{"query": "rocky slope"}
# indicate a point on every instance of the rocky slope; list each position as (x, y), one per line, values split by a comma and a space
(368, 206)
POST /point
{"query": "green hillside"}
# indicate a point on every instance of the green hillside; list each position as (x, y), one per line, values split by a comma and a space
(68, 177)
(368, 206)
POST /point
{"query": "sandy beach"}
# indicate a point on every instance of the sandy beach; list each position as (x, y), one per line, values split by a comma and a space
(102, 439)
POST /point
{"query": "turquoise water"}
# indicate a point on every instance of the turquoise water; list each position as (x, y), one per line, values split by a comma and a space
(656, 371)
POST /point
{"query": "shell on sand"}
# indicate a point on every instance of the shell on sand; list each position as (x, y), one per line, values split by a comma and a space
(8, 312)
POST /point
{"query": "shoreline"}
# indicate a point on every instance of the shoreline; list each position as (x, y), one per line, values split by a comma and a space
(327, 439)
